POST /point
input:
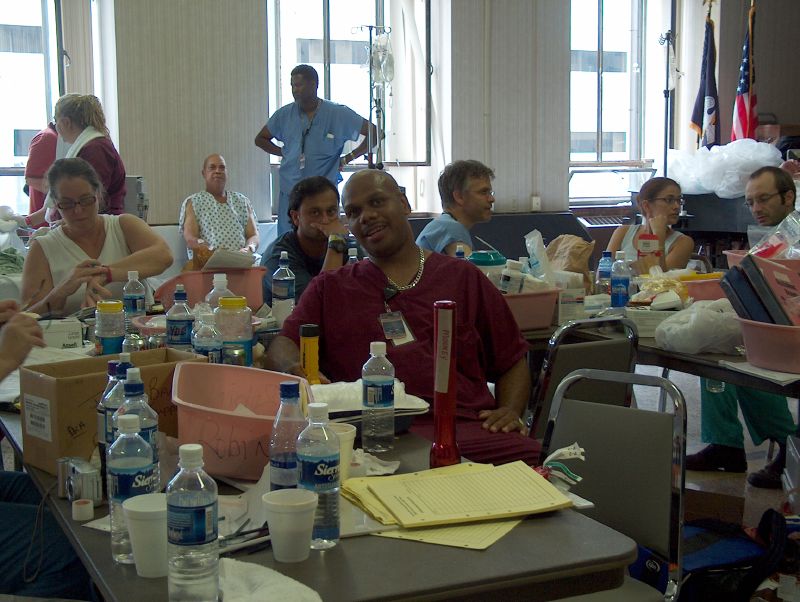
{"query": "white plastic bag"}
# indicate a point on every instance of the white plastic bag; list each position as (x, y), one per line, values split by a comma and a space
(705, 327)
(538, 262)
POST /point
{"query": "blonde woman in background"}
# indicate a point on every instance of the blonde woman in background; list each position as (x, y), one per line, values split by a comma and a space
(80, 122)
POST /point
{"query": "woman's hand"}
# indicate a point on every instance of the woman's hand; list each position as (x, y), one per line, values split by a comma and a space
(95, 291)
(8, 308)
(658, 225)
(82, 274)
(17, 337)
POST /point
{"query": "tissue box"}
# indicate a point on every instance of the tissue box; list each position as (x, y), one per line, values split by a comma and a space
(570, 305)
(647, 320)
(59, 402)
(63, 334)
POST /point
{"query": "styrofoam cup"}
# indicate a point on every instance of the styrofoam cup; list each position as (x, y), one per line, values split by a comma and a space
(146, 516)
(290, 517)
(347, 436)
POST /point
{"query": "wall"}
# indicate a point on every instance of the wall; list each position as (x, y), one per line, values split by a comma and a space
(191, 80)
(777, 76)
(510, 95)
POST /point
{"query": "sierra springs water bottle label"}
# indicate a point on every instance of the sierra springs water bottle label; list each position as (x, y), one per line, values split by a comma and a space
(179, 332)
(128, 482)
(378, 394)
(321, 473)
(193, 525)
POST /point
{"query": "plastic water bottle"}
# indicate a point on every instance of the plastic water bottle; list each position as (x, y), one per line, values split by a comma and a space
(219, 290)
(318, 460)
(352, 255)
(179, 322)
(602, 279)
(109, 327)
(234, 321)
(206, 339)
(133, 300)
(130, 473)
(620, 282)
(192, 518)
(289, 422)
(377, 396)
(109, 402)
(282, 290)
(135, 402)
(460, 252)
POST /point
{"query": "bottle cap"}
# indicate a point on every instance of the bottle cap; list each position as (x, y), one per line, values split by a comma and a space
(125, 357)
(606, 253)
(128, 423)
(285, 255)
(318, 411)
(620, 255)
(133, 383)
(109, 307)
(487, 258)
(112, 367)
(290, 389)
(220, 278)
(513, 264)
(377, 348)
(191, 454)
(180, 293)
(133, 275)
(309, 330)
(233, 302)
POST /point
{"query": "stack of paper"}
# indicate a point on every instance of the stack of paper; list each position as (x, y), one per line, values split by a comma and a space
(454, 495)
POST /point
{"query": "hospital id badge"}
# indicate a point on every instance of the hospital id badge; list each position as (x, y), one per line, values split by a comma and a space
(302, 161)
(395, 328)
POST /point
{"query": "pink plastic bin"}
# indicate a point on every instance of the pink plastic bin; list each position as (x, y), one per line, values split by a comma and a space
(533, 311)
(235, 445)
(246, 282)
(735, 258)
(772, 346)
(705, 290)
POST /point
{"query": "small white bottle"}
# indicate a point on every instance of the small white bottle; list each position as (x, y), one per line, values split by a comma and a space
(460, 252)
(512, 277)
(219, 290)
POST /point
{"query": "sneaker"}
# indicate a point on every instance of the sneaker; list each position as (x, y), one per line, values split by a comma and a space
(718, 457)
(769, 477)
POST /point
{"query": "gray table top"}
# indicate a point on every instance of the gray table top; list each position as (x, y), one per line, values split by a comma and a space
(545, 557)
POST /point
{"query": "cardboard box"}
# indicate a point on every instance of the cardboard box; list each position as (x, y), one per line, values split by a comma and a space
(710, 504)
(59, 402)
(63, 334)
(570, 305)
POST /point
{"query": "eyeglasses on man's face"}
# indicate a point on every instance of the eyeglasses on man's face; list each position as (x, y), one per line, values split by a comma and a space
(669, 200)
(84, 201)
(761, 200)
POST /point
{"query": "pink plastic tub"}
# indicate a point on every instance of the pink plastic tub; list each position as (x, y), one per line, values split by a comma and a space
(245, 282)
(735, 258)
(533, 311)
(772, 346)
(705, 290)
(229, 410)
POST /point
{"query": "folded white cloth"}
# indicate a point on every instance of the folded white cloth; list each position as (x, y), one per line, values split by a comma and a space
(346, 397)
(243, 581)
(373, 466)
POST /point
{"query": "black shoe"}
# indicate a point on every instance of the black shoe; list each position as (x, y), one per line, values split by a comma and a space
(718, 457)
(769, 477)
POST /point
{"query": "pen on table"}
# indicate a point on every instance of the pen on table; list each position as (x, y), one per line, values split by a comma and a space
(226, 549)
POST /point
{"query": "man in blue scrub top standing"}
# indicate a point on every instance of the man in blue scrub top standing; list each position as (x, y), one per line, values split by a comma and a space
(313, 132)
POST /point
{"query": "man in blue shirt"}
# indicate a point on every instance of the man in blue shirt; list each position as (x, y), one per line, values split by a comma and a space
(313, 132)
(465, 188)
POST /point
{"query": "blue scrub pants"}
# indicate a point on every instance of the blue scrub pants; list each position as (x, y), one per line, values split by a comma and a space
(61, 573)
(765, 414)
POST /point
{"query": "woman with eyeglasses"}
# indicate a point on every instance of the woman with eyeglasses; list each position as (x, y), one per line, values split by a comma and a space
(81, 123)
(87, 259)
(654, 242)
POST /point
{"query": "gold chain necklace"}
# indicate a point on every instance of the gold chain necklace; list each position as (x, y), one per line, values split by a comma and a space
(416, 280)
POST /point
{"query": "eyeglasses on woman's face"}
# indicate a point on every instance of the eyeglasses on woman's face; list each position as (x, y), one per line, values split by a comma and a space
(669, 200)
(84, 201)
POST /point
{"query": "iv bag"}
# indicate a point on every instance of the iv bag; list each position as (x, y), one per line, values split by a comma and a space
(382, 59)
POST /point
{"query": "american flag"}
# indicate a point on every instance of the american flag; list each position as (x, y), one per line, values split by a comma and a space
(745, 117)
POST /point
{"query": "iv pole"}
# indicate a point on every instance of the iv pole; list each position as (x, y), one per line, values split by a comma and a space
(374, 99)
(666, 40)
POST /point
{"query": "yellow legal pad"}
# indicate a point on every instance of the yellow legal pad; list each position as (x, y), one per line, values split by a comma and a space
(425, 499)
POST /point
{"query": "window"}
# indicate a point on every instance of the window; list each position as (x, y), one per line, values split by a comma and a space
(611, 147)
(332, 37)
(29, 80)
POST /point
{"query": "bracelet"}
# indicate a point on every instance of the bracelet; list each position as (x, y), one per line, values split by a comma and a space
(28, 221)
(109, 275)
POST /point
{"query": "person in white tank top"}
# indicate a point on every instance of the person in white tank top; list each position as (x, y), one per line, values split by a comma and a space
(660, 203)
(88, 258)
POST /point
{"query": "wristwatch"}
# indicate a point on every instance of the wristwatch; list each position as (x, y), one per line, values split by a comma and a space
(337, 243)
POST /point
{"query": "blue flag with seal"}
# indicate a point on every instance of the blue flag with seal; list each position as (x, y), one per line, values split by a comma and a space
(705, 116)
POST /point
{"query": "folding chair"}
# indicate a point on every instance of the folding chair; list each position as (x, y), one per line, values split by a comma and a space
(564, 355)
(633, 473)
